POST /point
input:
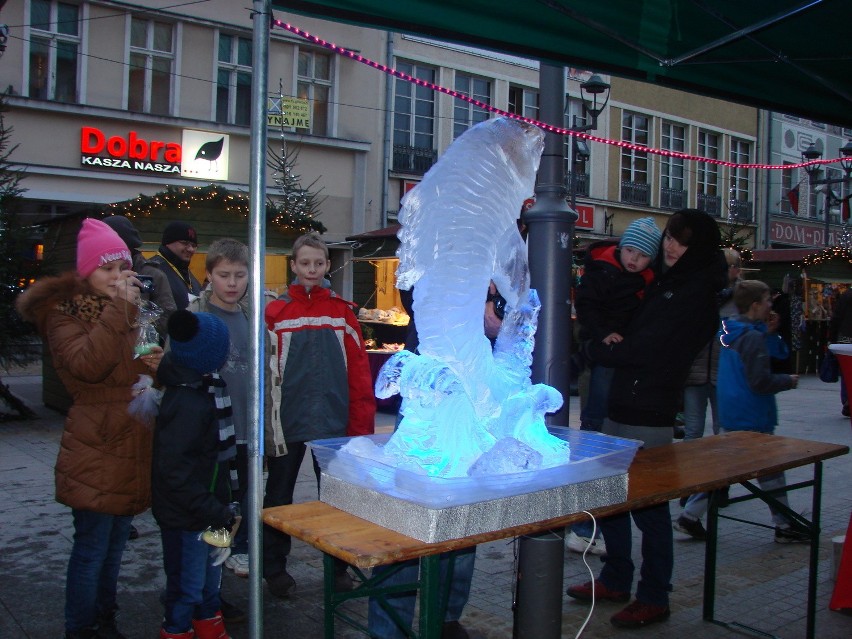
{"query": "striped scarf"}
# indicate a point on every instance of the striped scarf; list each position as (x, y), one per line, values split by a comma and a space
(225, 417)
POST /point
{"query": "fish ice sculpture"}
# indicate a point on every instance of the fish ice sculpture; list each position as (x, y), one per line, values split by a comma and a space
(462, 401)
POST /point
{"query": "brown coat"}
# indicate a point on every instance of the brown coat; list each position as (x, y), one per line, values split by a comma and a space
(104, 462)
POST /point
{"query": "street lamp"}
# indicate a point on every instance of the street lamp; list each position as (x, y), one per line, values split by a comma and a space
(590, 91)
(814, 171)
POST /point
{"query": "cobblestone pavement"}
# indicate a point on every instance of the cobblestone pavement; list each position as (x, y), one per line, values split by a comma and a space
(759, 583)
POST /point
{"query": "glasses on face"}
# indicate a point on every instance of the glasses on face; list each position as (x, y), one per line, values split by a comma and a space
(187, 244)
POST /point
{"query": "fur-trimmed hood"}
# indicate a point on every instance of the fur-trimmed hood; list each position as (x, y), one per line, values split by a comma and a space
(68, 291)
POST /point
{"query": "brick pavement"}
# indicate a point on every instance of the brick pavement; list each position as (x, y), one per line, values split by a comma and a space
(759, 582)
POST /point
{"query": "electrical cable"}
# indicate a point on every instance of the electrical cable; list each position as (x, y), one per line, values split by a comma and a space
(589, 568)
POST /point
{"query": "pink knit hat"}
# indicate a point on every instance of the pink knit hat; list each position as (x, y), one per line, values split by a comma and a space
(98, 244)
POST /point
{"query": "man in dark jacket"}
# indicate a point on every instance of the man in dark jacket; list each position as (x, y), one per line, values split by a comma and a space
(177, 247)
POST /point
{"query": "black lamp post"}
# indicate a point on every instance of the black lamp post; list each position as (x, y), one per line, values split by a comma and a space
(812, 153)
(594, 87)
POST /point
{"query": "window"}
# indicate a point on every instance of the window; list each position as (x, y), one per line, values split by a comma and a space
(709, 199)
(523, 102)
(739, 186)
(233, 80)
(634, 164)
(672, 183)
(413, 121)
(314, 84)
(150, 72)
(54, 50)
(788, 203)
(465, 114)
(576, 177)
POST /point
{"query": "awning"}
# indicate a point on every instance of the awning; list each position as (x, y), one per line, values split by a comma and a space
(783, 55)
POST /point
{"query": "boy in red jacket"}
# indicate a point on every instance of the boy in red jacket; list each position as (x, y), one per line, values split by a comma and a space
(325, 389)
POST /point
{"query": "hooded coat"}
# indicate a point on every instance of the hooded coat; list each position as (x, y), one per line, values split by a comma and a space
(104, 461)
(190, 485)
(747, 386)
(678, 316)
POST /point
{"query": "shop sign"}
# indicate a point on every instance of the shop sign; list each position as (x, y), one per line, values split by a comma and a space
(205, 155)
(289, 112)
(586, 219)
(800, 234)
(132, 152)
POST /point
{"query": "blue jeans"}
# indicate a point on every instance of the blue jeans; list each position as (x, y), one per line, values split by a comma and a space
(192, 581)
(655, 574)
(381, 625)
(594, 411)
(93, 567)
(695, 400)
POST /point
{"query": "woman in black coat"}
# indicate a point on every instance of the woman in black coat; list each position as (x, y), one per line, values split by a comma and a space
(678, 316)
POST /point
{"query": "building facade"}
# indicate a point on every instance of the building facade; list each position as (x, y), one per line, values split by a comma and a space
(110, 100)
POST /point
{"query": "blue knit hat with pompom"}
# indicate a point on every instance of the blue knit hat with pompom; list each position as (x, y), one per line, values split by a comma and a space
(198, 341)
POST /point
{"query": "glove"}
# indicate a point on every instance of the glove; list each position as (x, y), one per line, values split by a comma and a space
(219, 555)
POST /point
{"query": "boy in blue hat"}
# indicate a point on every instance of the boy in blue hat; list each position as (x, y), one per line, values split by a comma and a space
(610, 290)
(192, 476)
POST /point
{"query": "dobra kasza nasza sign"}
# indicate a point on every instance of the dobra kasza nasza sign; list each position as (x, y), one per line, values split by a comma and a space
(206, 159)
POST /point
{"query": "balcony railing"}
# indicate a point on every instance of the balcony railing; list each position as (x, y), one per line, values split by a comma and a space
(581, 183)
(710, 204)
(672, 198)
(740, 210)
(412, 159)
(636, 193)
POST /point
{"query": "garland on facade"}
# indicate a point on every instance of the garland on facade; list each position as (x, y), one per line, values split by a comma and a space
(287, 219)
(828, 254)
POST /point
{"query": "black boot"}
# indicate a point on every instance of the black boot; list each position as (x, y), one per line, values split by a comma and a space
(106, 628)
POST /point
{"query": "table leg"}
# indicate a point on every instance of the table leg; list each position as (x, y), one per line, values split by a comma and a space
(430, 593)
(710, 556)
(328, 594)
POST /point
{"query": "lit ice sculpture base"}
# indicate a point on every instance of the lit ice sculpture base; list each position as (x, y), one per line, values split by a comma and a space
(434, 509)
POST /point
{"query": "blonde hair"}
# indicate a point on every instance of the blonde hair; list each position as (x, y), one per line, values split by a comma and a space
(310, 239)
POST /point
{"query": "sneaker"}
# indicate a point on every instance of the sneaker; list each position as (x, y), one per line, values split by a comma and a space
(602, 593)
(453, 630)
(638, 615)
(239, 564)
(791, 536)
(691, 527)
(230, 612)
(579, 544)
(281, 585)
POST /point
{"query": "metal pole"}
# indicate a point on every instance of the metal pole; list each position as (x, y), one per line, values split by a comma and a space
(261, 19)
(550, 222)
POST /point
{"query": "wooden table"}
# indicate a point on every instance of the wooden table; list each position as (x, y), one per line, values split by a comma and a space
(657, 475)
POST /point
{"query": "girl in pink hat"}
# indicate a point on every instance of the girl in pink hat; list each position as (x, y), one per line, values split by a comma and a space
(88, 320)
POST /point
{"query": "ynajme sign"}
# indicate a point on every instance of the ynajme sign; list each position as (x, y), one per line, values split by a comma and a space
(201, 155)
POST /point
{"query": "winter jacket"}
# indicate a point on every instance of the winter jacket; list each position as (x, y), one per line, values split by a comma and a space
(104, 461)
(677, 317)
(746, 390)
(607, 296)
(181, 280)
(325, 384)
(190, 488)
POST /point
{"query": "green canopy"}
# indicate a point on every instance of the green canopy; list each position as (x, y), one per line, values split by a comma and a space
(784, 55)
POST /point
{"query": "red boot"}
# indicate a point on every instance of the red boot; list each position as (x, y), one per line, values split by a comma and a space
(213, 628)
(189, 634)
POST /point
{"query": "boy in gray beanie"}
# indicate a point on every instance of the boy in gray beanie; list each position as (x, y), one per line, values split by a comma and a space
(610, 291)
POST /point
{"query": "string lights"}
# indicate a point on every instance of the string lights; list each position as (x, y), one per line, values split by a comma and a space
(342, 51)
(215, 197)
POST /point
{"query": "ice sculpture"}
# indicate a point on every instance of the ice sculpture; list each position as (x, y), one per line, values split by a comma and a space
(469, 408)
